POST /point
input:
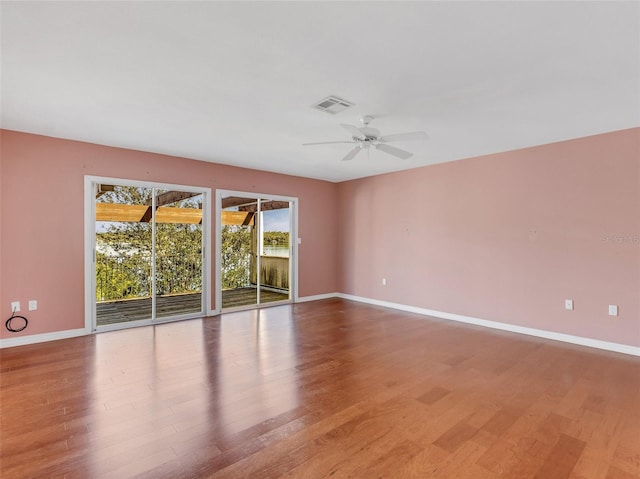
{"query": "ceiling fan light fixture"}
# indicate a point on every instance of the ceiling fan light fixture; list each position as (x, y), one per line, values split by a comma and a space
(366, 136)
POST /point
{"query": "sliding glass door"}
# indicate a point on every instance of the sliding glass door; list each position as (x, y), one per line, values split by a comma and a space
(178, 253)
(123, 254)
(274, 247)
(256, 252)
(148, 253)
(238, 251)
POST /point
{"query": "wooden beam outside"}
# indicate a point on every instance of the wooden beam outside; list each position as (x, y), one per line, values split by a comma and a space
(231, 201)
(248, 220)
(237, 218)
(172, 196)
(146, 217)
(139, 213)
(266, 206)
(102, 189)
(119, 213)
(166, 214)
(250, 204)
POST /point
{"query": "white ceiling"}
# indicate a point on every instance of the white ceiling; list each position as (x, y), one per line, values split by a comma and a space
(232, 82)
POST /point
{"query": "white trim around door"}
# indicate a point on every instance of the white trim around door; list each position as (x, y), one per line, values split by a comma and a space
(90, 185)
(293, 245)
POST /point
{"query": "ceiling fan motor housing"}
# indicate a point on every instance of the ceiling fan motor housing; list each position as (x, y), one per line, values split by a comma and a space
(371, 134)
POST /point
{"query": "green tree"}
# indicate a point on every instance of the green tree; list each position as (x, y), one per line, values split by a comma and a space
(116, 279)
(236, 256)
(279, 238)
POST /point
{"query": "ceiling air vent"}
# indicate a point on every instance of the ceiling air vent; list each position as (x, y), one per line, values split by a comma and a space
(333, 105)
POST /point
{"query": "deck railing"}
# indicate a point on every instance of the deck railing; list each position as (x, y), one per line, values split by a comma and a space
(274, 272)
(124, 276)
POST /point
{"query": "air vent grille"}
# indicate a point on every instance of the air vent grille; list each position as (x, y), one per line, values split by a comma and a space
(332, 104)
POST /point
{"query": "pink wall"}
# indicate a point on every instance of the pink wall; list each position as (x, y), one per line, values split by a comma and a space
(41, 196)
(506, 237)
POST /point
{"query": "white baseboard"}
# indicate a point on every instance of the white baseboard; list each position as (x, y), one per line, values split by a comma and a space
(41, 338)
(317, 297)
(540, 333)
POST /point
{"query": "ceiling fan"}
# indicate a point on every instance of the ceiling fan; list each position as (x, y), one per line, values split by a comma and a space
(367, 136)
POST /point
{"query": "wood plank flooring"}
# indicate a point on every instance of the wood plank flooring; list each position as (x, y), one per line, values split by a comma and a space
(326, 389)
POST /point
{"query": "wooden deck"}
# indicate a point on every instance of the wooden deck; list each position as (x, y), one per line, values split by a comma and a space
(245, 296)
(114, 312)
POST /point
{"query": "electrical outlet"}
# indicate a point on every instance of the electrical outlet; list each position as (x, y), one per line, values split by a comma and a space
(33, 305)
(384, 281)
(613, 310)
(568, 304)
(15, 306)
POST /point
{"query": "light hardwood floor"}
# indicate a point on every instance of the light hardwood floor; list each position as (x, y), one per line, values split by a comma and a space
(325, 389)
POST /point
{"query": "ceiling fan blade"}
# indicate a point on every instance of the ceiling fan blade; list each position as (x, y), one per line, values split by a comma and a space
(354, 130)
(414, 135)
(352, 154)
(392, 150)
(326, 143)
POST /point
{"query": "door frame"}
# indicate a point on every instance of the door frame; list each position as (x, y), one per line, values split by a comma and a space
(293, 247)
(90, 183)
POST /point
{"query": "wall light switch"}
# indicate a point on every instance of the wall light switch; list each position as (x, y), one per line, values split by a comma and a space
(384, 281)
(33, 305)
(568, 304)
(613, 310)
